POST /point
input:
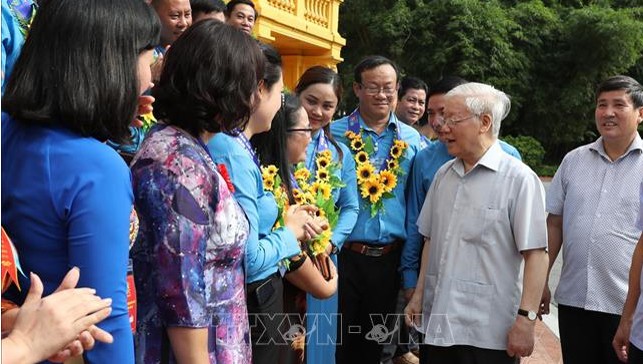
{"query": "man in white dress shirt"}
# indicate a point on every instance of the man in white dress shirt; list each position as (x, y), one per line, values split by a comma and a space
(592, 205)
(483, 216)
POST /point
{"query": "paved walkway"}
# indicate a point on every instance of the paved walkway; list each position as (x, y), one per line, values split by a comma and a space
(547, 350)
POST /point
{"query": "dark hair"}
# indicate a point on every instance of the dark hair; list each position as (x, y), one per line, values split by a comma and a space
(272, 70)
(370, 62)
(411, 83)
(272, 145)
(79, 66)
(209, 78)
(230, 7)
(444, 85)
(325, 75)
(207, 6)
(626, 83)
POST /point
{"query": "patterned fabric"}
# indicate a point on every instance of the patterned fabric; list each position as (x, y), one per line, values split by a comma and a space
(188, 259)
(598, 199)
(636, 336)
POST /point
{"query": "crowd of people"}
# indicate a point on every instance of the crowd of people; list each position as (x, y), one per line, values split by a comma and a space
(170, 202)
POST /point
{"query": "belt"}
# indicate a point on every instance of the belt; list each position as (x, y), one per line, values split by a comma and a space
(373, 250)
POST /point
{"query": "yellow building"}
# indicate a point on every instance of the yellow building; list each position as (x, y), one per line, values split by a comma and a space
(304, 32)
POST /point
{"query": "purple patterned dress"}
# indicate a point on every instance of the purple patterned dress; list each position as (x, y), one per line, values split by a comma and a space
(188, 258)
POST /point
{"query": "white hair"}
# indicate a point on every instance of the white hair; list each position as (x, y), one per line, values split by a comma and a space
(484, 99)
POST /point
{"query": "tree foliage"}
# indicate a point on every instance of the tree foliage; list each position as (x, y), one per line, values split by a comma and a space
(548, 55)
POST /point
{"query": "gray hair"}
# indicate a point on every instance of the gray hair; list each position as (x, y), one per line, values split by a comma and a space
(484, 99)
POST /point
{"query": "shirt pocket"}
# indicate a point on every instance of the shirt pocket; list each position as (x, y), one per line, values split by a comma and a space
(478, 225)
(470, 303)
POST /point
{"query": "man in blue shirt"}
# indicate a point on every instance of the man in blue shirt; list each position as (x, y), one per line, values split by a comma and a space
(411, 106)
(426, 164)
(384, 148)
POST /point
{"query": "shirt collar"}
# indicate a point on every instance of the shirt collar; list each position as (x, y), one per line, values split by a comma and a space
(490, 159)
(598, 147)
(393, 122)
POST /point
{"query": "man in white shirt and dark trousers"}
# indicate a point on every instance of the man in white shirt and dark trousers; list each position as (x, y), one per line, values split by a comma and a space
(484, 215)
(592, 205)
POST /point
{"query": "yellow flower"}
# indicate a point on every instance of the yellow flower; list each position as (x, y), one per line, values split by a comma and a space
(396, 151)
(372, 189)
(302, 174)
(270, 170)
(325, 153)
(322, 174)
(357, 144)
(304, 185)
(401, 143)
(268, 183)
(350, 135)
(323, 162)
(321, 213)
(322, 187)
(364, 172)
(392, 164)
(361, 157)
(388, 180)
(298, 196)
(309, 198)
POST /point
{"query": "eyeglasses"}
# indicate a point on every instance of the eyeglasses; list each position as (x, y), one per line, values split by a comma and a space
(375, 90)
(440, 122)
(303, 130)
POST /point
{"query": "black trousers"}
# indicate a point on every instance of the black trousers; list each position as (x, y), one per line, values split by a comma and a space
(464, 354)
(634, 355)
(586, 336)
(265, 307)
(368, 288)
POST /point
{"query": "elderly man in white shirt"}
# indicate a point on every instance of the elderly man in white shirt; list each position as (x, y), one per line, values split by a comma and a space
(483, 216)
(592, 205)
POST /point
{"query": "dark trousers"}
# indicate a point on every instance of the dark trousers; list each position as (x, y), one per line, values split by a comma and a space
(586, 336)
(463, 354)
(265, 307)
(368, 288)
(634, 355)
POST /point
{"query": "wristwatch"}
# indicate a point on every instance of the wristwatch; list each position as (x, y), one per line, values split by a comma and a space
(530, 315)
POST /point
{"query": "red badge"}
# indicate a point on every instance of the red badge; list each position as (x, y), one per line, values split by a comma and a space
(10, 264)
(223, 170)
(131, 297)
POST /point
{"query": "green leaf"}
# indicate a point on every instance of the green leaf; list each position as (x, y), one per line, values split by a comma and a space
(368, 145)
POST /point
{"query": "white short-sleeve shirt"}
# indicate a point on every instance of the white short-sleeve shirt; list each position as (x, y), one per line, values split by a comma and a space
(636, 333)
(478, 223)
(598, 199)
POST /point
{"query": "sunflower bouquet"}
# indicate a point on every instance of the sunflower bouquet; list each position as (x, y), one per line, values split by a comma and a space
(317, 190)
(376, 186)
(272, 183)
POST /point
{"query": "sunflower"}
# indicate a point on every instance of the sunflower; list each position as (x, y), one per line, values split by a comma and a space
(323, 162)
(401, 143)
(365, 171)
(323, 175)
(325, 153)
(357, 144)
(302, 174)
(268, 183)
(388, 180)
(298, 196)
(396, 151)
(320, 213)
(373, 189)
(321, 187)
(309, 198)
(350, 135)
(304, 185)
(392, 164)
(270, 170)
(361, 157)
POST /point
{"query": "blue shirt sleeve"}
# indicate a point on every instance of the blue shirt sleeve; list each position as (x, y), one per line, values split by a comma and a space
(412, 249)
(261, 253)
(348, 200)
(98, 238)
(510, 149)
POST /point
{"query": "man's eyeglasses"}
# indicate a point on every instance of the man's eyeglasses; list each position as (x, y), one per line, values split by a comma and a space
(302, 130)
(375, 90)
(440, 122)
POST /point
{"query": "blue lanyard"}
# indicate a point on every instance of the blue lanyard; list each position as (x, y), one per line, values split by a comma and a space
(245, 143)
(353, 125)
(322, 145)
